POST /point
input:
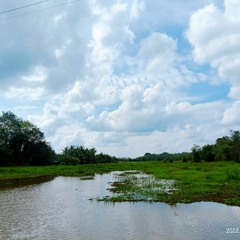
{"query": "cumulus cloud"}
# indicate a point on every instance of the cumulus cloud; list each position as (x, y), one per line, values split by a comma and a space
(158, 51)
(111, 74)
(25, 93)
(232, 115)
(215, 36)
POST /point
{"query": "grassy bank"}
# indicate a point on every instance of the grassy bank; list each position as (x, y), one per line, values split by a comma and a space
(217, 181)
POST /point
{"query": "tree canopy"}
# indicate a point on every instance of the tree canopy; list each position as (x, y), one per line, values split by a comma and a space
(74, 155)
(22, 143)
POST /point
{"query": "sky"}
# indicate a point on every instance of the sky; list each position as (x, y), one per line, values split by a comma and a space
(123, 76)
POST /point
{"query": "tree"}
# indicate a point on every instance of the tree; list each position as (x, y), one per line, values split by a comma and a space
(105, 158)
(227, 148)
(24, 141)
(196, 153)
(78, 155)
(75, 155)
(6, 156)
(235, 151)
(208, 153)
(222, 149)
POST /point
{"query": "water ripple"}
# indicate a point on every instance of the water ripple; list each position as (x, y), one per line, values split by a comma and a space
(60, 209)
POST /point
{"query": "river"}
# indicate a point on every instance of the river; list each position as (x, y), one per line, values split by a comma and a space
(61, 209)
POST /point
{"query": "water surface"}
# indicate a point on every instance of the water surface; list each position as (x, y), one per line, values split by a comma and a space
(61, 209)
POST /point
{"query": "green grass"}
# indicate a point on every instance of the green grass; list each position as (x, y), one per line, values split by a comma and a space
(233, 201)
(137, 186)
(233, 173)
(216, 181)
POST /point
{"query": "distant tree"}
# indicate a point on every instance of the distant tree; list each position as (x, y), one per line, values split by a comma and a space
(6, 156)
(222, 149)
(70, 156)
(235, 151)
(196, 153)
(207, 153)
(74, 155)
(105, 158)
(147, 154)
(23, 141)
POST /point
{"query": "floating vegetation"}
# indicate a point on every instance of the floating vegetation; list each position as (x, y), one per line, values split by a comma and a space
(138, 186)
(89, 177)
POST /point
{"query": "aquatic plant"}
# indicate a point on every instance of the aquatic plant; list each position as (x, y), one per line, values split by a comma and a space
(138, 186)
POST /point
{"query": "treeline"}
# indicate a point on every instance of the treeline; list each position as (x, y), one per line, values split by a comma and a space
(22, 144)
(226, 148)
(165, 157)
(75, 155)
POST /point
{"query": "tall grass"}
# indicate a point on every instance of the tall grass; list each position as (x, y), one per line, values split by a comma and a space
(233, 174)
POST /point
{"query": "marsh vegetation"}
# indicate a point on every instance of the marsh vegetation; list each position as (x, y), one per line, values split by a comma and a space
(137, 186)
(205, 181)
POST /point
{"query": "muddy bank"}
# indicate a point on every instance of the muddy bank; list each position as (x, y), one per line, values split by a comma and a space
(20, 182)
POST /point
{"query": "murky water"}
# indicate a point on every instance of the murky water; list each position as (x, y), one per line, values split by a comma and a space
(61, 209)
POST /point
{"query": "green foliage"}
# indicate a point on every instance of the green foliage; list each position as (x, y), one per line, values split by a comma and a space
(136, 186)
(196, 153)
(165, 157)
(22, 143)
(6, 155)
(226, 148)
(207, 153)
(235, 139)
(222, 149)
(75, 155)
(105, 158)
(233, 201)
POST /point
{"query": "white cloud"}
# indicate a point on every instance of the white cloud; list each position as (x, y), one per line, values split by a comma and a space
(215, 36)
(24, 107)
(25, 93)
(111, 75)
(109, 34)
(232, 115)
(38, 74)
(175, 139)
(232, 9)
(67, 134)
(136, 8)
(158, 50)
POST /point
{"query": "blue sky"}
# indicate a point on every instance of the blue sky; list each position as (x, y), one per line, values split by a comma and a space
(126, 77)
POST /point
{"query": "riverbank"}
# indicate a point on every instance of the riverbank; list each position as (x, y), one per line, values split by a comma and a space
(216, 181)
